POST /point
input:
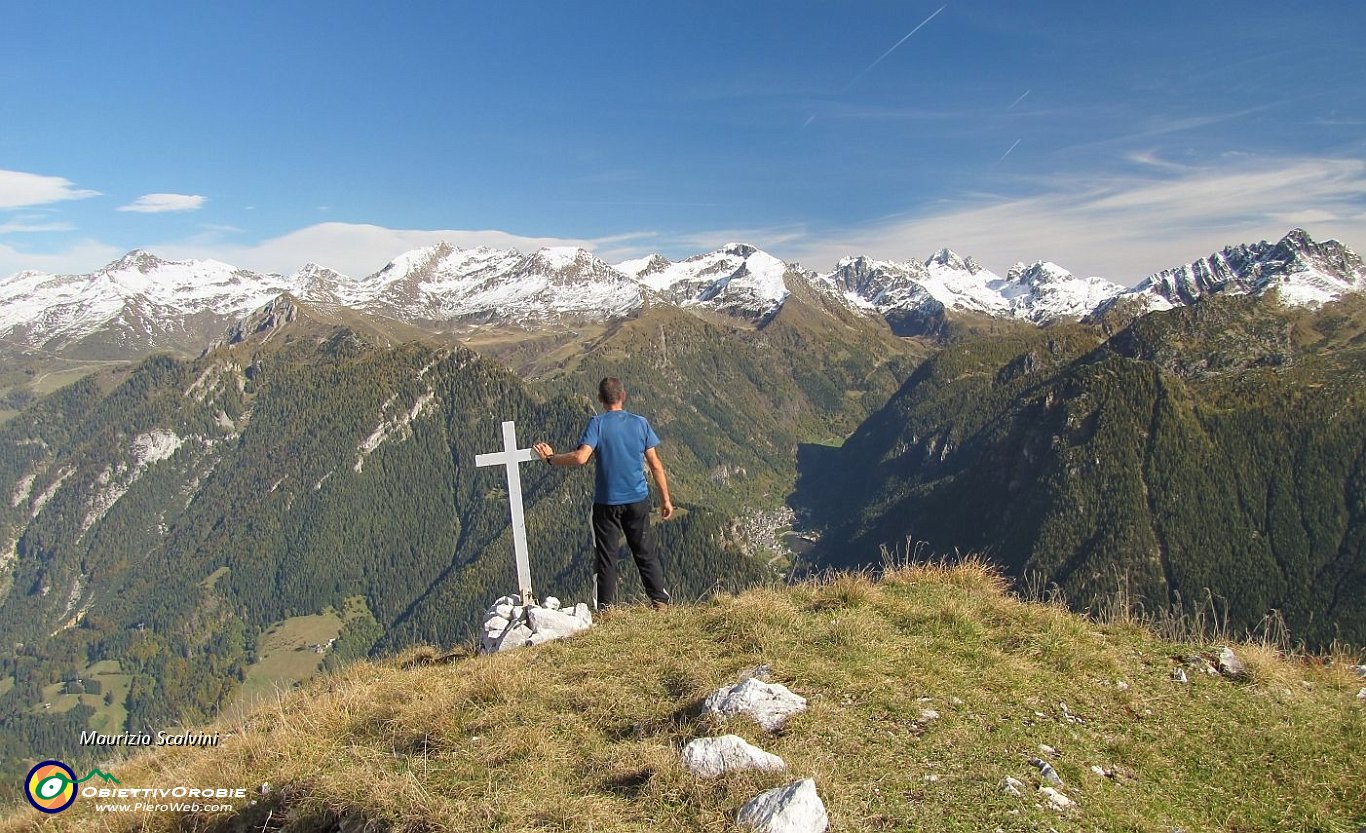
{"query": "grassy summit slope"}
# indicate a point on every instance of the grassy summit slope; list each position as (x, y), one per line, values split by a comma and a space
(585, 734)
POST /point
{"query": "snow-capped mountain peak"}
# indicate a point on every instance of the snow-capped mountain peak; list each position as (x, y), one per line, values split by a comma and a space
(943, 281)
(562, 257)
(642, 266)
(313, 271)
(742, 250)
(1299, 269)
(569, 260)
(411, 262)
(947, 281)
(318, 284)
(142, 301)
(139, 260)
(25, 275)
(738, 278)
(1045, 291)
(442, 283)
(949, 259)
(1037, 274)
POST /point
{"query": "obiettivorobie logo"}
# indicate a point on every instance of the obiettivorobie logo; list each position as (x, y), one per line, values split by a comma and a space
(51, 785)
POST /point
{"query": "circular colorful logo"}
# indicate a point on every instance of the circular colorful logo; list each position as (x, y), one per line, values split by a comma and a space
(50, 786)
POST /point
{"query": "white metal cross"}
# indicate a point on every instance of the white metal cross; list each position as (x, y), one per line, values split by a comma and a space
(511, 456)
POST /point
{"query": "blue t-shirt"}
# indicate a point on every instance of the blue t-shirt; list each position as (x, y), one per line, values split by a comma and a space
(619, 440)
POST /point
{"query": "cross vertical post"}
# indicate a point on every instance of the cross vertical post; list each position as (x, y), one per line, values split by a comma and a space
(511, 457)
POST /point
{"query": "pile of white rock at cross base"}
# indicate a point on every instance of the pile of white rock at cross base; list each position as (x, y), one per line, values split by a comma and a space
(510, 624)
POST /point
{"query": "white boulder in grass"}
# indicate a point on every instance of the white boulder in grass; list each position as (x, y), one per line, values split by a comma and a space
(767, 704)
(1230, 666)
(795, 808)
(713, 757)
(507, 624)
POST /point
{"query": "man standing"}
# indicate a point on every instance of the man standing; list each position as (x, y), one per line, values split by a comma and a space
(621, 498)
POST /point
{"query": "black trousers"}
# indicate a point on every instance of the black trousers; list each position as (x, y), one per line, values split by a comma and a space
(609, 524)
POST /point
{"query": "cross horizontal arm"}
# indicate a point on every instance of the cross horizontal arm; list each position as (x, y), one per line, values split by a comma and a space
(502, 458)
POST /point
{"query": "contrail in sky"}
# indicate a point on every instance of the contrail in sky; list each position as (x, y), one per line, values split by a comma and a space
(1007, 153)
(895, 45)
(809, 119)
(1018, 100)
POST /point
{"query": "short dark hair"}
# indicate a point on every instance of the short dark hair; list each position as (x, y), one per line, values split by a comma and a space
(611, 391)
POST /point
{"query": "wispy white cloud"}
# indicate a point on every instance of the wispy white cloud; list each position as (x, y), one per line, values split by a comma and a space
(1124, 227)
(1159, 125)
(164, 203)
(220, 228)
(76, 258)
(1309, 217)
(773, 239)
(359, 249)
(1151, 159)
(19, 189)
(351, 248)
(31, 223)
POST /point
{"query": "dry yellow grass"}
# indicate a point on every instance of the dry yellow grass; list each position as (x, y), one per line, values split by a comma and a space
(585, 734)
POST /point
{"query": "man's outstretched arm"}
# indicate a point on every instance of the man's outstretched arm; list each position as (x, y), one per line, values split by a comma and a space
(577, 457)
(666, 506)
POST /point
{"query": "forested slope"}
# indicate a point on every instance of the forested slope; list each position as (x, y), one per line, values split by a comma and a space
(1219, 448)
(165, 516)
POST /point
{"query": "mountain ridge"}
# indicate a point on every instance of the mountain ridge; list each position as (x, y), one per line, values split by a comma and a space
(141, 302)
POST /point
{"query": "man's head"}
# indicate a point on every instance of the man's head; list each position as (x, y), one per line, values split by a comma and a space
(611, 391)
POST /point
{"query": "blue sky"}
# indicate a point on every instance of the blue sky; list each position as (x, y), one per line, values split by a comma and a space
(1112, 139)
